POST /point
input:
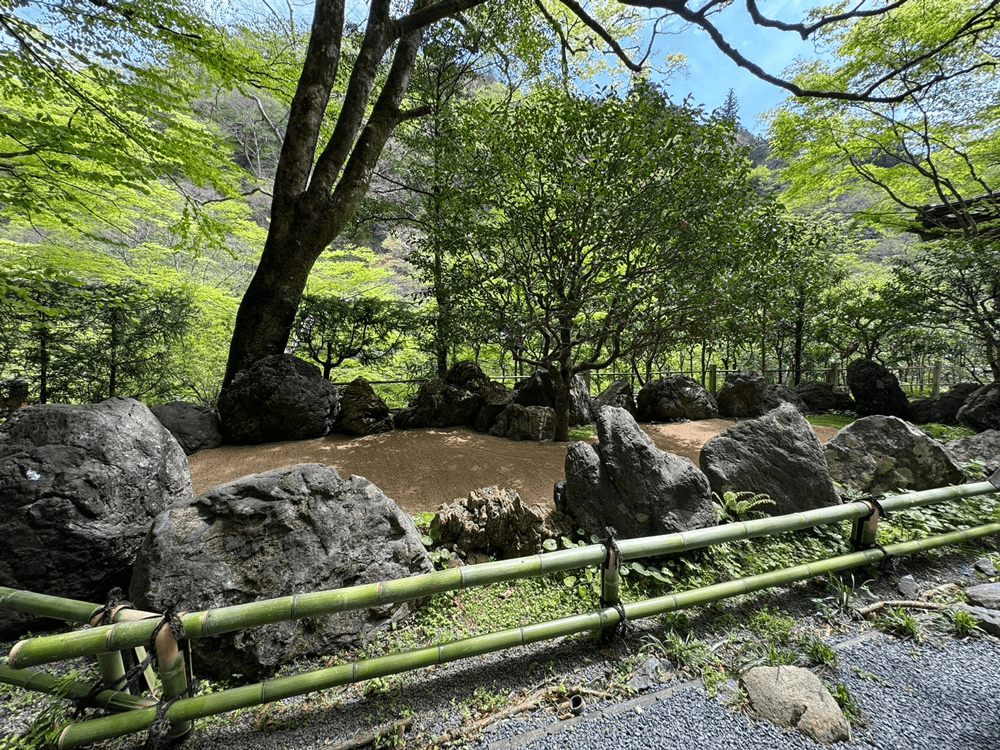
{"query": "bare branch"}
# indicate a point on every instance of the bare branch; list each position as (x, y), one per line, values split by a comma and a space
(602, 32)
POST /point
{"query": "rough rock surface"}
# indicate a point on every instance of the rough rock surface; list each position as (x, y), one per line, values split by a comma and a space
(270, 535)
(439, 404)
(362, 412)
(518, 422)
(778, 455)
(795, 697)
(984, 595)
(195, 427)
(621, 394)
(942, 409)
(776, 395)
(626, 482)
(493, 397)
(497, 522)
(823, 397)
(280, 397)
(675, 398)
(983, 449)
(987, 620)
(540, 390)
(742, 395)
(981, 410)
(79, 487)
(883, 454)
(876, 390)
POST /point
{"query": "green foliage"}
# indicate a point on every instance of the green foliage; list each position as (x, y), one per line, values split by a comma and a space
(838, 421)
(848, 704)
(962, 622)
(945, 433)
(738, 506)
(901, 622)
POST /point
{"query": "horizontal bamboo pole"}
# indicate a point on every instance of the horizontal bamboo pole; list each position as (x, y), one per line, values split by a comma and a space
(112, 700)
(189, 709)
(48, 649)
(45, 605)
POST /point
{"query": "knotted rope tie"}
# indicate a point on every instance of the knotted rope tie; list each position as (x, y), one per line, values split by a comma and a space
(875, 501)
(613, 558)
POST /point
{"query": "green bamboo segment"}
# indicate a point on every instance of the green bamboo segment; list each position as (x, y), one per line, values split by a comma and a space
(189, 709)
(44, 605)
(40, 682)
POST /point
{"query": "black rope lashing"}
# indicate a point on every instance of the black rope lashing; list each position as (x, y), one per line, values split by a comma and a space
(613, 558)
(157, 735)
(888, 562)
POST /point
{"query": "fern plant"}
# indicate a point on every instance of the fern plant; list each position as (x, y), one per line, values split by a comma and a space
(738, 506)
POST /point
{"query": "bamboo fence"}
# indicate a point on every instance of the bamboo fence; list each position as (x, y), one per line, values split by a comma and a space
(132, 629)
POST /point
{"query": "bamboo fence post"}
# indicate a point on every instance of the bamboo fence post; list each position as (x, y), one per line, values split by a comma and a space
(173, 668)
(611, 577)
(111, 664)
(866, 527)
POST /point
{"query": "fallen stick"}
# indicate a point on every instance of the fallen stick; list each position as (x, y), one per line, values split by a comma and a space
(872, 608)
(396, 727)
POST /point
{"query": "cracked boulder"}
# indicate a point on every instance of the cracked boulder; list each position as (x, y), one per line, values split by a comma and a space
(795, 698)
(276, 534)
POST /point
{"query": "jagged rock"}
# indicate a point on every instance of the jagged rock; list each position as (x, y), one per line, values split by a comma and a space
(493, 397)
(981, 410)
(795, 697)
(984, 595)
(620, 394)
(195, 427)
(439, 404)
(362, 412)
(626, 482)
(497, 522)
(540, 390)
(675, 398)
(908, 586)
(778, 455)
(942, 409)
(883, 454)
(776, 395)
(271, 535)
(280, 397)
(876, 390)
(518, 422)
(464, 397)
(823, 397)
(987, 620)
(742, 395)
(985, 566)
(982, 449)
(79, 487)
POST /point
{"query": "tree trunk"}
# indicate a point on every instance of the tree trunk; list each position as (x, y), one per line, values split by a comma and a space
(562, 379)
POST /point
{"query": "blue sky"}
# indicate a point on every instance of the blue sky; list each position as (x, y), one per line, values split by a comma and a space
(710, 74)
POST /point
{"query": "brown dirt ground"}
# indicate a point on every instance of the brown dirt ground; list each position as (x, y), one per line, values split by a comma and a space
(421, 469)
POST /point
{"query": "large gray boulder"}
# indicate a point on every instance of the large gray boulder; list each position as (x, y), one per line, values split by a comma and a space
(674, 398)
(981, 410)
(621, 394)
(982, 449)
(362, 412)
(271, 535)
(778, 455)
(79, 487)
(823, 397)
(742, 395)
(540, 390)
(497, 522)
(493, 397)
(464, 397)
(942, 409)
(195, 427)
(876, 390)
(628, 483)
(881, 454)
(794, 697)
(280, 397)
(518, 422)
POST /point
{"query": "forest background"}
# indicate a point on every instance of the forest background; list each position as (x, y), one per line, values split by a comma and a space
(529, 197)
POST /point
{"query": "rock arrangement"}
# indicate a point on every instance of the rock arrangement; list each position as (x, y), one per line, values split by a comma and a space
(796, 698)
(496, 522)
(518, 422)
(362, 412)
(621, 394)
(79, 487)
(540, 390)
(982, 449)
(742, 395)
(626, 482)
(276, 534)
(981, 411)
(942, 409)
(465, 397)
(823, 397)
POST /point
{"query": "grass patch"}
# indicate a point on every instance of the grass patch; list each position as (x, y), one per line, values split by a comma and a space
(583, 432)
(945, 433)
(831, 419)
